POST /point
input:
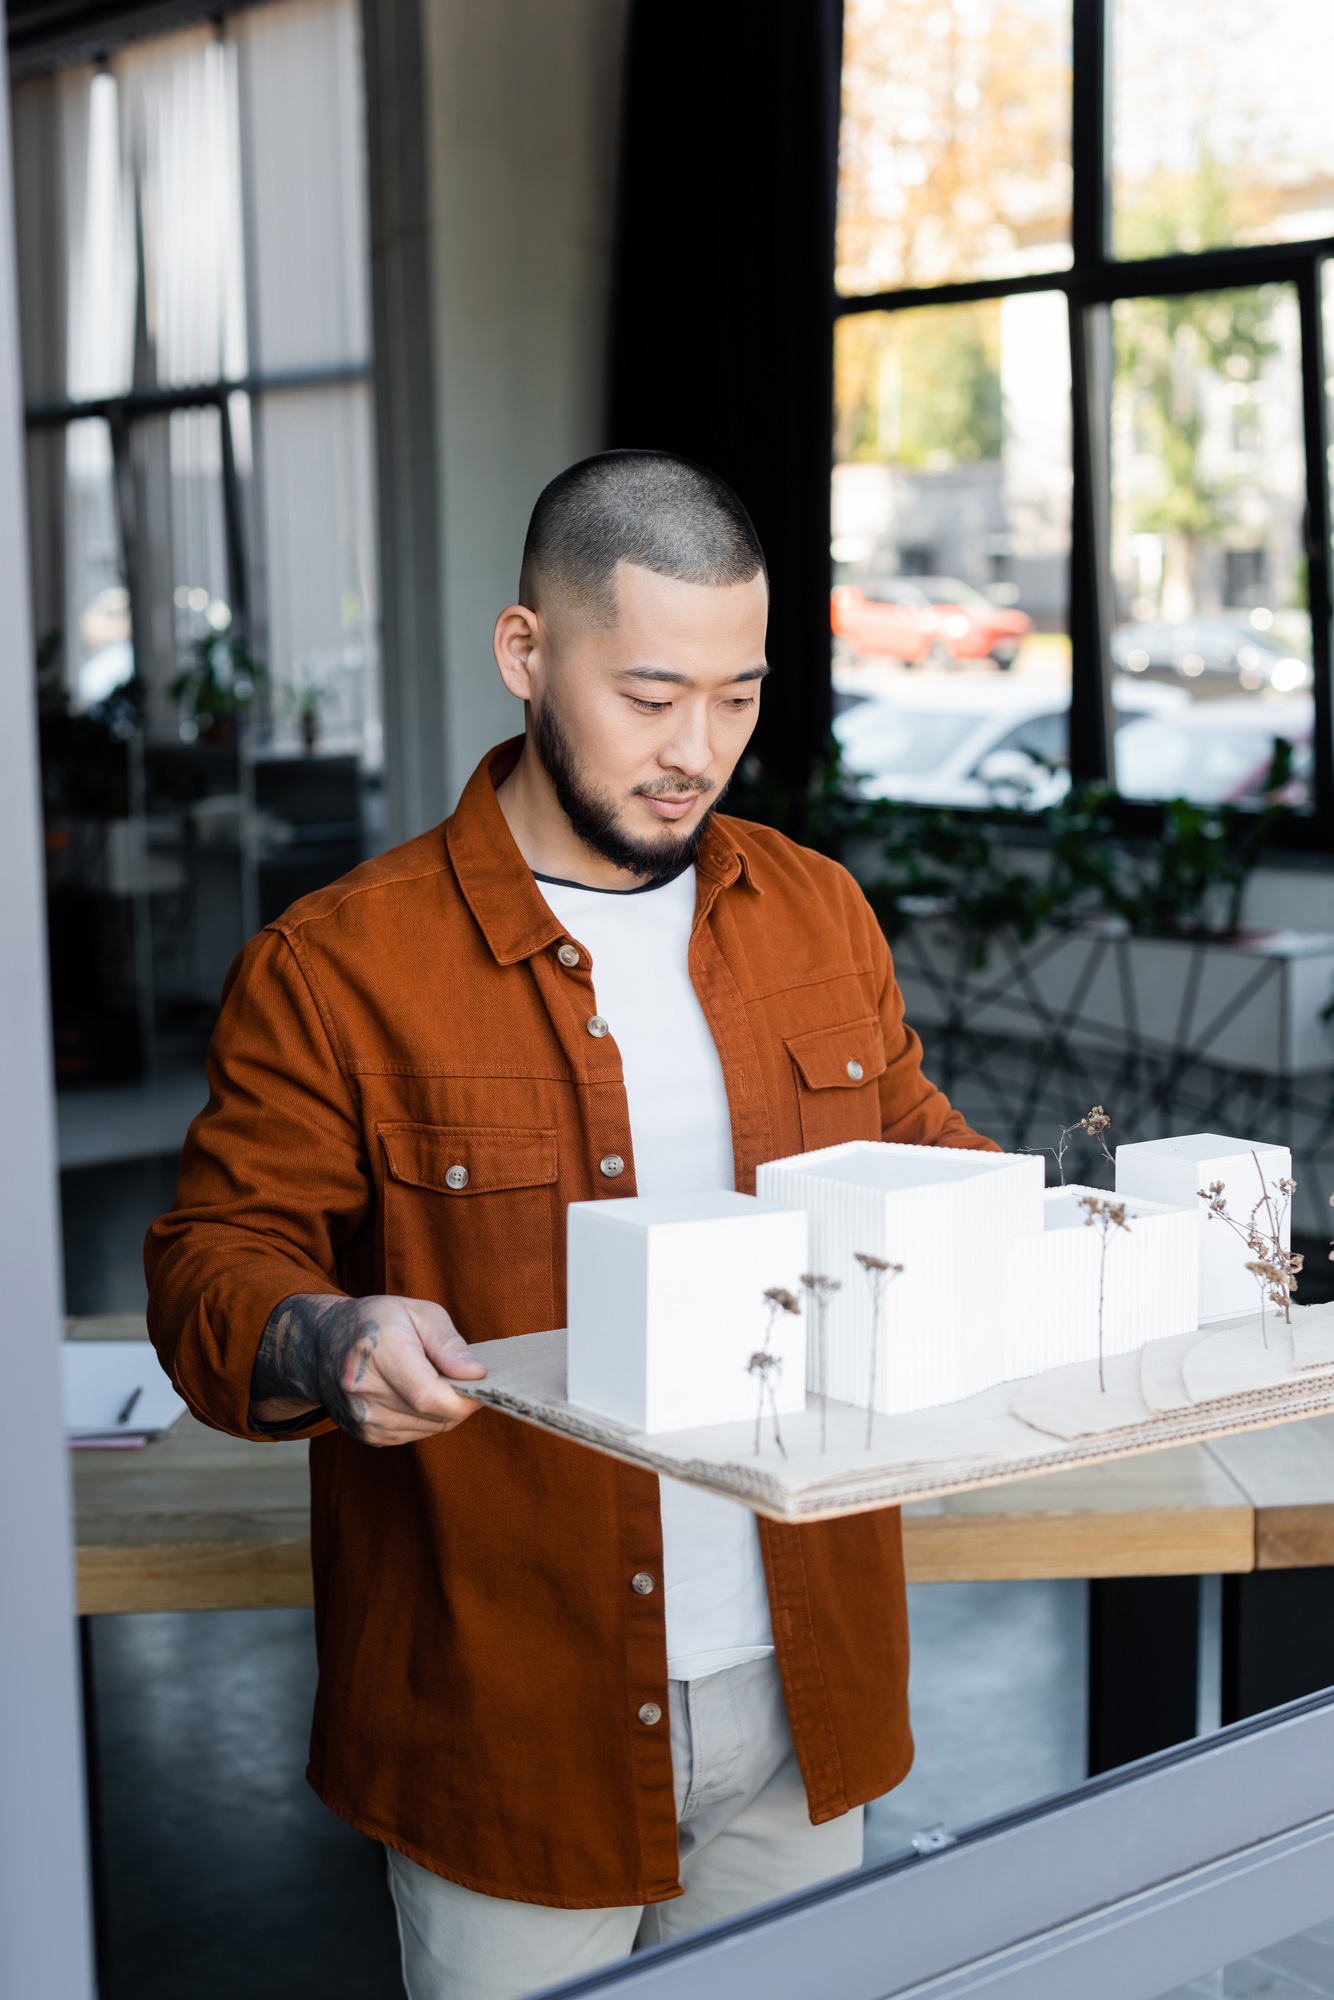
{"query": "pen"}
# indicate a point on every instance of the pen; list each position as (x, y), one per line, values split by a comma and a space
(128, 1407)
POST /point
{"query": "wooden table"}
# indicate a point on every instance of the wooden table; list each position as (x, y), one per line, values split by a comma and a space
(197, 1521)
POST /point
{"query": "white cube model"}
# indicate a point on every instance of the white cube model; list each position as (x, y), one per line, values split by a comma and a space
(1174, 1170)
(945, 1215)
(1149, 1282)
(666, 1306)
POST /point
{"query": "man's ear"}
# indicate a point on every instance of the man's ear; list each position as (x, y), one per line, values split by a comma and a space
(518, 636)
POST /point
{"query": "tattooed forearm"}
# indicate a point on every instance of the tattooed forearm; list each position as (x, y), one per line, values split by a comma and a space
(315, 1350)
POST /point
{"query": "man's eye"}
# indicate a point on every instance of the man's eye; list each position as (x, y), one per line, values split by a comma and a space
(740, 701)
(648, 707)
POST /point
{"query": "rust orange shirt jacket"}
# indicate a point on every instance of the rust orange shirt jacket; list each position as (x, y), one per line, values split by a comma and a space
(483, 1657)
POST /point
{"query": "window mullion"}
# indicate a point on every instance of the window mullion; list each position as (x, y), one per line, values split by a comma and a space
(1316, 430)
(1089, 128)
(1091, 719)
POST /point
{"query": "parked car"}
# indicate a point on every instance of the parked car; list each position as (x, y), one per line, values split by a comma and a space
(970, 624)
(1219, 653)
(915, 618)
(1217, 752)
(952, 743)
(887, 619)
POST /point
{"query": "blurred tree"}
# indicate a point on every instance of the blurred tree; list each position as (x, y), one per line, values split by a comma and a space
(919, 388)
(955, 155)
(1166, 349)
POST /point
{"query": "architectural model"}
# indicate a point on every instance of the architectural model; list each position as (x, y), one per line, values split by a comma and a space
(667, 1309)
(1175, 1170)
(899, 1279)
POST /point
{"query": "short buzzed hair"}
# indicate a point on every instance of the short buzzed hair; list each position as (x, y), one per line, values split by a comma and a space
(649, 508)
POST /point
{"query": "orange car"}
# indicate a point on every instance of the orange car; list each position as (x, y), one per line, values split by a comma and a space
(887, 619)
(970, 624)
(913, 618)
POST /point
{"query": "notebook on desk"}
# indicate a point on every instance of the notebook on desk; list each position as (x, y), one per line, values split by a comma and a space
(115, 1393)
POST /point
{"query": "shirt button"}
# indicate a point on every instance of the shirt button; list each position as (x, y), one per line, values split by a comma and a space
(568, 954)
(597, 1027)
(642, 1582)
(650, 1713)
(855, 1070)
(611, 1164)
(457, 1177)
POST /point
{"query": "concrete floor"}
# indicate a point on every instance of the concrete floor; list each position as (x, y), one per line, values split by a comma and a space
(224, 1875)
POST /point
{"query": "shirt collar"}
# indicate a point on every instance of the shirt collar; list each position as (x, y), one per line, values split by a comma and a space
(497, 883)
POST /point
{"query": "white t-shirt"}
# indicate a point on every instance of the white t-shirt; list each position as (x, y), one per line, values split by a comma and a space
(717, 1605)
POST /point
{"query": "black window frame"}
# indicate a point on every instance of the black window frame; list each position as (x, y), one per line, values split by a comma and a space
(1091, 283)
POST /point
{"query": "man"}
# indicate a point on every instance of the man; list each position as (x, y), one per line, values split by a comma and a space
(581, 1709)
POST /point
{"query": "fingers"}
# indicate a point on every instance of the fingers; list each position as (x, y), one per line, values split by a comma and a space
(444, 1345)
(402, 1389)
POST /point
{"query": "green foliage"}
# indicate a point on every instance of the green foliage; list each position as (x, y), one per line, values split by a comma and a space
(221, 678)
(1185, 879)
(921, 387)
(1162, 347)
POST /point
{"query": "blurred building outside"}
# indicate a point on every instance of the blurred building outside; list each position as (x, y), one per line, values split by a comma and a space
(952, 470)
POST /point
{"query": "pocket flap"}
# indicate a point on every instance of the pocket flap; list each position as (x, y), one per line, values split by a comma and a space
(842, 1058)
(469, 1159)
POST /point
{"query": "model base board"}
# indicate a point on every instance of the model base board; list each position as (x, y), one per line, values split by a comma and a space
(1227, 1377)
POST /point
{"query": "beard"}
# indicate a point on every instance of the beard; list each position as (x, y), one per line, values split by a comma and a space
(595, 818)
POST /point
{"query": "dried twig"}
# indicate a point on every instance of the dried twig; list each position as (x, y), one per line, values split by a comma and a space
(821, 1290)
(877, 1270)
(1274, 1268)
(1105, 1216)
(1094, 1124)
(767, 1366)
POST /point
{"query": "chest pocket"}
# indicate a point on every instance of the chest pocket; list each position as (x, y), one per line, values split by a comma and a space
(836, 1072)
(470, 1217)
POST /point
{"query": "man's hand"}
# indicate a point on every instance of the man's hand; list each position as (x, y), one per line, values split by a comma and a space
(381, 1367)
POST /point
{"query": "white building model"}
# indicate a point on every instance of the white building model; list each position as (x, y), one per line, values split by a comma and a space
(666, 1308)
(983, 1274)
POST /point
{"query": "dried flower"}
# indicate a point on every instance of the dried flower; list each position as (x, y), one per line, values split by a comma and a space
(821, 1289)
(1093, 1125)
(766, 1366)
(877, 1269)
(1106, 1216)
(1274, 1267)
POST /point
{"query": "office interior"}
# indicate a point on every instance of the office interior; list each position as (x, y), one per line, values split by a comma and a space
(1007, 319)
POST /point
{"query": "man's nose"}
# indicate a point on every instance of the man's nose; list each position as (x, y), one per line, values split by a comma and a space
(689, 751)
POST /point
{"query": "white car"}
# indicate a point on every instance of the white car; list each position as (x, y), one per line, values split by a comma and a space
(975, 743)
(1217, 752)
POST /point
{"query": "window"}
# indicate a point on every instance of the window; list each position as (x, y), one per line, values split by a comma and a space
(194, 276)
(1081, 482)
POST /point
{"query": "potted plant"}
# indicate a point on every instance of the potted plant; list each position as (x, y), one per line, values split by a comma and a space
(216, 686)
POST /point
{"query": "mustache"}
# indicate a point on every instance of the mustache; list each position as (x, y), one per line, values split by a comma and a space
(676, 788)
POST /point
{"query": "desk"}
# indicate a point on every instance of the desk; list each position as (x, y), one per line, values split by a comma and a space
(197, 1521)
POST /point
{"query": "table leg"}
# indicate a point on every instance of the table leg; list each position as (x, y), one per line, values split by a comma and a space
(1143, 1669)
(1278, 1638)
(92, 1779)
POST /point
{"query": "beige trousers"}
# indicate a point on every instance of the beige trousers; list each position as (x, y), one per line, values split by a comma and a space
(745, 1838)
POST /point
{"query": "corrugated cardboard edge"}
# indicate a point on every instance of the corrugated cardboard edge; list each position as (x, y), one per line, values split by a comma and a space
(894, 1485)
